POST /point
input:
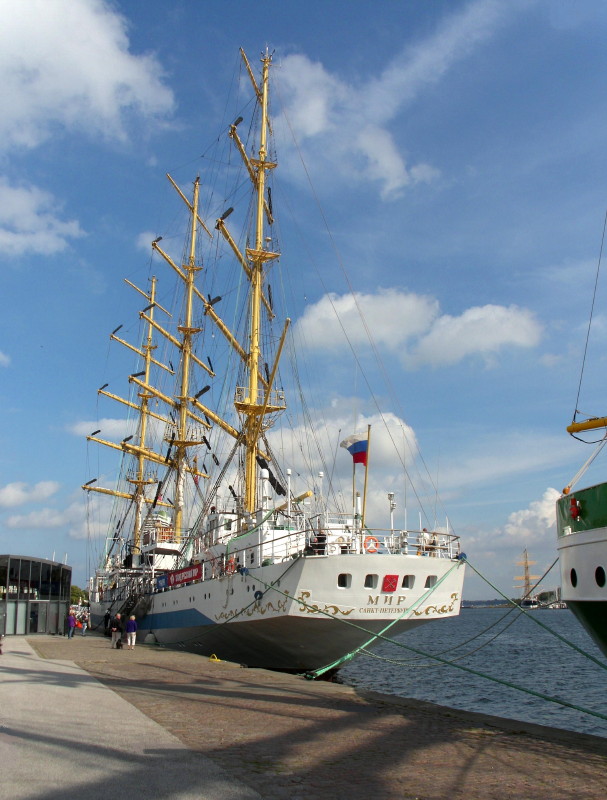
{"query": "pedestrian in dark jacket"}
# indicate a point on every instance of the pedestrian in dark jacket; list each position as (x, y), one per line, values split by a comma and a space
(117, 629)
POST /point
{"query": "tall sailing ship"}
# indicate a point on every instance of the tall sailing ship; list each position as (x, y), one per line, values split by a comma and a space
(219, 543)
(526, 586)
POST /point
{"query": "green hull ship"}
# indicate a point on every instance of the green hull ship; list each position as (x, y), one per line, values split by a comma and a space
(581, 517)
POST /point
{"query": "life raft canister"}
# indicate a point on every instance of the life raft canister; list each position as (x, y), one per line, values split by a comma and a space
(230, 566)
(575, 508)
(371, 544)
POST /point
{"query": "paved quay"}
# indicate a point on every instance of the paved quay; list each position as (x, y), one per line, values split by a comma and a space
(65, 735)
(222, 731)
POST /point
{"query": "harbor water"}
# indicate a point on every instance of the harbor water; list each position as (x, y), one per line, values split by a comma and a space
(507, 645)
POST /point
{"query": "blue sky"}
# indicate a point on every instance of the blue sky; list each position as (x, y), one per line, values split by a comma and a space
(456, 150)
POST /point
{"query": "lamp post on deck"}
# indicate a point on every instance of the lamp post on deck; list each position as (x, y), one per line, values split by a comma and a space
(392, 507)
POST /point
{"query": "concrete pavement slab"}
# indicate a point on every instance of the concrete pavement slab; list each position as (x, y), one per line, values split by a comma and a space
(65, 735)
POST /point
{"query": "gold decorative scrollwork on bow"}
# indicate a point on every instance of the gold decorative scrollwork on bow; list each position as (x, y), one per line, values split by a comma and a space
(314, 608)
(438, 610)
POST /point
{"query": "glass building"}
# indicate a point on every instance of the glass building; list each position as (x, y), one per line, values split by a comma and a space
(34, 595)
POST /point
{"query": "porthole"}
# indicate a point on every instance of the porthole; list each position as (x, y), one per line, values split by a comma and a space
(430, 581)
(408, 582)
(371, 581)
(599, 576)
(344, 580)
(573, 578)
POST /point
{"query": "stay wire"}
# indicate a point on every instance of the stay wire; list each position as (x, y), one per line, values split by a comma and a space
(368, 333)
(596, 281)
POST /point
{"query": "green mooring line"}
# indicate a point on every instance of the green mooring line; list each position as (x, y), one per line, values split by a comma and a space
(406, 612)
(444, 661)
(601, 664)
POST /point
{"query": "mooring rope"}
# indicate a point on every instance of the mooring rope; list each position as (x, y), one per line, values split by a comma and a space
(446, 662)
(381, 636)
(533, 617)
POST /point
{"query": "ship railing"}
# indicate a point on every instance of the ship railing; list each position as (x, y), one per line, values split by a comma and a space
(264, 546)
(158, 535)
(345, 540)
(276, 399)
(270, 545)
(434, 544)
(383, 541)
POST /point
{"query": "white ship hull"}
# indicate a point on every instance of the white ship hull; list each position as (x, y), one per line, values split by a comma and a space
(308, 621)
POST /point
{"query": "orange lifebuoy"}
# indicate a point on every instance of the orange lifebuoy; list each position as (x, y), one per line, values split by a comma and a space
(230, 566)
(371, 544)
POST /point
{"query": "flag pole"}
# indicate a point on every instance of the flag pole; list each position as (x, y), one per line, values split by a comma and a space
(353, 487)
(366, 474)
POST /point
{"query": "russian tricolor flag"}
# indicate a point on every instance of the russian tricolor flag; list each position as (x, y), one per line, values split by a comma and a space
(357, 445)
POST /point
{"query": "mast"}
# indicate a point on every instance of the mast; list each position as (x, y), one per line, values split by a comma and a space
(257, 256)
(188, 331)
(587, 425)
(526, 577)
(139, 480)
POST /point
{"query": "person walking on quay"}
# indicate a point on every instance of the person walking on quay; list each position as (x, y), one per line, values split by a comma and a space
(131, 632)
(106, 622)
(71, 624)
(117, 629)
(85, 622)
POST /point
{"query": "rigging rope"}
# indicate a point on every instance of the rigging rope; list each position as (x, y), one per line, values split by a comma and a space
(379, 361)
(596, 281)
(416, 663)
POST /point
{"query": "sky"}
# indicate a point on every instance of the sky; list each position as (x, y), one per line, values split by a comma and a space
(454, 154)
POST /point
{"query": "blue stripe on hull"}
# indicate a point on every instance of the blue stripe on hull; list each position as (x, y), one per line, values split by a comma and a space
(296, 644)
(171, 620)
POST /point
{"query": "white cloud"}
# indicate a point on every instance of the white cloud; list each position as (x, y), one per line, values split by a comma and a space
(42, 519)
(65, 66)
(68, 65)
(393, 317)
(348, 123)
(29, 222)
(498, 458)
(482, 330)
(411, 326)
(19, 493)
(427, 62)
(535, 523)
(4, 359)
(109, 428)
(144, 241)
(72, 519)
